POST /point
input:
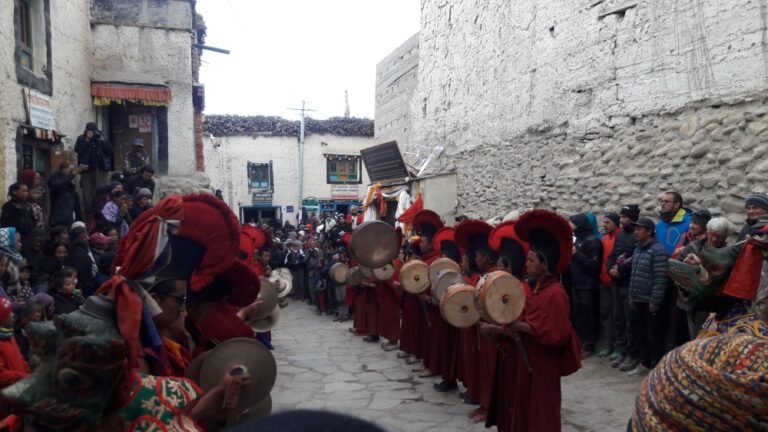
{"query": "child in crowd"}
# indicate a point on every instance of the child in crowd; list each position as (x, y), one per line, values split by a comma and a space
(31, 312)
(13, 367)
(65, 299)
(21, 292)
(46, 303)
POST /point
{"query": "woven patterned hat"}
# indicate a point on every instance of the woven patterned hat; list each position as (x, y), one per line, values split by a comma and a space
(717, 383)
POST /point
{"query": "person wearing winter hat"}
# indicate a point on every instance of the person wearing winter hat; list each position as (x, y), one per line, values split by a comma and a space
(142, 200)
(611, 222)
(619, 269)
(93, 155)
(13, 367)
(756, 206)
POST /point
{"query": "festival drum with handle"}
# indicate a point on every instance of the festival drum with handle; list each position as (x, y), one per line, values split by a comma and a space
(355, 276)
(374, 244)
(439, 265)
(367, 273)
(385, 273)
(414, 276)
(499, 298)
(444, 280)
(338, 273)
(268, 294)
(458, 306)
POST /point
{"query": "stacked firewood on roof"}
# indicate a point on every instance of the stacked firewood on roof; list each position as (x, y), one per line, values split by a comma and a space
(234, 125)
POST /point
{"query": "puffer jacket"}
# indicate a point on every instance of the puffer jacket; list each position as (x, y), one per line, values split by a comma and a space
(621, 255)
(586, 262)
(648, 283)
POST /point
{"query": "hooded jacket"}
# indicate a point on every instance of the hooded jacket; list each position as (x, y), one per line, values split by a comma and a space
(670, 233)
(586, 262)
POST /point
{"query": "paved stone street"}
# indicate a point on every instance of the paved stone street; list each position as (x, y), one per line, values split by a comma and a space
(322, 366)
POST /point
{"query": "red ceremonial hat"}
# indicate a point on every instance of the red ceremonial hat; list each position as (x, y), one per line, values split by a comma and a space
(549, 234)
(504, 240)
(245, 283)
(443, 234)
(5, 308)
(427, 222)
(469, 228)
(209, 222)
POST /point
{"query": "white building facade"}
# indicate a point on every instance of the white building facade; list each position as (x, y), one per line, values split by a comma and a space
(259, 173)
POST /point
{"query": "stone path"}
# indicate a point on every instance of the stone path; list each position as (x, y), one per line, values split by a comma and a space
(322, 366)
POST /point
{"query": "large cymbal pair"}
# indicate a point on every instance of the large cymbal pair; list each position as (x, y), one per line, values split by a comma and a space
(267, 314)
(254, 400)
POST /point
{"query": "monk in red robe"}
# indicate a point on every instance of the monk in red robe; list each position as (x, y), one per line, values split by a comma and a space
(549, 340)
(513, 254)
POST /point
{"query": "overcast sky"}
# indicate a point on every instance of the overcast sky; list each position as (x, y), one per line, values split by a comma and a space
(283, 51)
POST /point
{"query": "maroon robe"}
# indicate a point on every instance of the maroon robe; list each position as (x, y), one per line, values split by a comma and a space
(428, 321)
(502, 394)
(360, 318)
(485, 370)
(371, 310)
(467, 348)
(389, 298)
(409, 328)
(553, 351)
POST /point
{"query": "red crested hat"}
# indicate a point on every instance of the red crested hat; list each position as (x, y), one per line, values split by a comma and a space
(549, 234)
(245, 284)
(444, 234)
(427, 222)
(504, 240)
(468, 229)
(445, 242)
(209, 222)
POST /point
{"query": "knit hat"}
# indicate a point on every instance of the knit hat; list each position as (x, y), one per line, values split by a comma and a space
(6, 308)
(757, 199)
(632, 211)
(28, 177)
(91, 126)
(98, 238)
(142, 192)
(716, 383)
(701, 217)
(8, 244)
(613, 217)
(77, 224)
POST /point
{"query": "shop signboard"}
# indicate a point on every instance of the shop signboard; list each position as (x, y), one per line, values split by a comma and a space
(345, 191)
(40, 110)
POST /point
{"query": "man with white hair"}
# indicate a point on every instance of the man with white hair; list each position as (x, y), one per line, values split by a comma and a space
(718, 230)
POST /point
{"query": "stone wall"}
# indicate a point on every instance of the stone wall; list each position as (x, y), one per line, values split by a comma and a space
(585, 105)
(396, 78)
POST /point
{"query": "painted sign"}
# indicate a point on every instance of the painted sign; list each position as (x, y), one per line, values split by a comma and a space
(133, 121)
(145, 123)
(40, 110)
(384, 162)
(345, 191)
(262, 199)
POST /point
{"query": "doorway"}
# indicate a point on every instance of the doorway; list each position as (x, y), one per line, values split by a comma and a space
(131, 123)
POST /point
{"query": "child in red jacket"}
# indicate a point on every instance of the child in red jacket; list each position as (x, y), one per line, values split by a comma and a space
(13, 367)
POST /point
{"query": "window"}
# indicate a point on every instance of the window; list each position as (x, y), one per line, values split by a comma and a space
(344, 169)
(33, 44)
(259, 175)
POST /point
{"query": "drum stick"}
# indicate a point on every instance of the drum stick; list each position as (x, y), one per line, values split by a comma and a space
(523, 352)
(426, 312)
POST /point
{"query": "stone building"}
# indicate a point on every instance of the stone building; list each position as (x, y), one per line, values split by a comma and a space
(585, 105)
(129, 66)
(255, 163)
(396, 78)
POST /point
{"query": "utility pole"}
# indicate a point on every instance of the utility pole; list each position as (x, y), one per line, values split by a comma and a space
(346, 104)
(303, 110)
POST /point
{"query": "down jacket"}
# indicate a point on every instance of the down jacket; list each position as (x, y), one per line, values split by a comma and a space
(648, 283)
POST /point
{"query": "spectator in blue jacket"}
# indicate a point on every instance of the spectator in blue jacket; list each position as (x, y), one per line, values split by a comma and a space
(647, 291)
(674, 222)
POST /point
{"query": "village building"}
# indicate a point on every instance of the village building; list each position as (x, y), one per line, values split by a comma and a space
(255, 161)
(132, 67)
